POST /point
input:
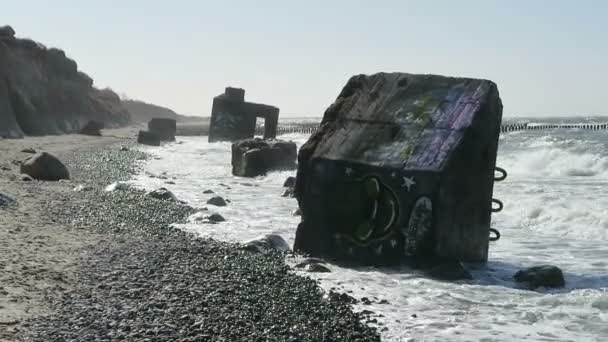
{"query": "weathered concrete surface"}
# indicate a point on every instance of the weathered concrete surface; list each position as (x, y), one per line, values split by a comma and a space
(234, 119)
(256, 157)
(148, 138)
(43, 92)
(402, 166)
(164, 128)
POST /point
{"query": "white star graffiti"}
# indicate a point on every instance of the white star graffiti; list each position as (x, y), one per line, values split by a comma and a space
(348, 171)
(408, 182)
(393, 243)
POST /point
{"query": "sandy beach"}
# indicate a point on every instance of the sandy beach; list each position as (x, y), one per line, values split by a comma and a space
(95, 265)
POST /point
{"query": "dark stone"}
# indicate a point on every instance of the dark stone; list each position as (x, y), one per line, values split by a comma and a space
(316, 268)
(288, 193)
(6, 200)
(164, 128)
(148, 138)
(266, 244)
(290, 182)
(26, 178)
(540, 276)
(208, 192)
(45, 166)
(217, 201)
(402, 166)
(256, 157)
(449, 271)
(92, 128)
(233, 119)
(29, 150)
(163, 194)
(124, 149)
(215, 217)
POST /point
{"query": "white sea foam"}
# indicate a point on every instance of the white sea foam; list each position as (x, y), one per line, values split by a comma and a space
(555, 212)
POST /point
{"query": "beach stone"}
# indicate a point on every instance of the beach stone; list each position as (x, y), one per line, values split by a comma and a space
(217, 201)
(92, 128)
(215, 217)
(26, 178)
(256, 157)
(394, 166)
(540, 276)
(148, 138)
(267, 243)
(164, 128)
(29, 150)
(163, 194)
(124, 148)
(449, 271)
(6, 200)
(290, 182)
(45, 166)
(316, 268)
(207, 192)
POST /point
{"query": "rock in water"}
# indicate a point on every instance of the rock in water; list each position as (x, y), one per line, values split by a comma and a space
(290, 182)
(148, 138)
(92, 128)
(217, 201)
(29, 150)
(163, 194)
(401, 166)
(267, 243)
(45, 166)
(164, 128)
(540, 276)
(233, 119)
(256, 157)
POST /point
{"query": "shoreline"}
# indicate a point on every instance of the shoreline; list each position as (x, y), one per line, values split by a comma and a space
(133, 277)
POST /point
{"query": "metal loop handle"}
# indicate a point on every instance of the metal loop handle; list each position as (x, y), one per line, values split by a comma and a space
(503, 175)
(496, 236)
(499, 208)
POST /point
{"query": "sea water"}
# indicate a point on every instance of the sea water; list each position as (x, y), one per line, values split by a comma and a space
(555, 212)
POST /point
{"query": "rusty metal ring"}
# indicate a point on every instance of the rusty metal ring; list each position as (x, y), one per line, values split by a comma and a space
(499, 208)
(503, 175)
(496, 236)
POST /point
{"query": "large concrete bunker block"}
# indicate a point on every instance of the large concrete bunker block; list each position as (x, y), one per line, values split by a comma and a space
(234, 119)
(164, 128)
(256, 157)
(402, 166)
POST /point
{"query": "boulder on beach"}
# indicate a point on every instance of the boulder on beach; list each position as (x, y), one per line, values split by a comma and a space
(256, 157)
(540, 276)
(164, 128)
(401, 167)
(6, 200)
(217, 201)
(148, 138)
(92, 128)
(163, 194)
(45, 166)
(267, 243)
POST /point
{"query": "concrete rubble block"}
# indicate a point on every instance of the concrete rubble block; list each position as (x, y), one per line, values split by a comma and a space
(164, 128)
(234, 119)
(401, 167)
(256, 157)
(148, 138)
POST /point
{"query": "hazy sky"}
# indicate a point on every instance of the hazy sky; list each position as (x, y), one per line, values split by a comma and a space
(547, 57)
